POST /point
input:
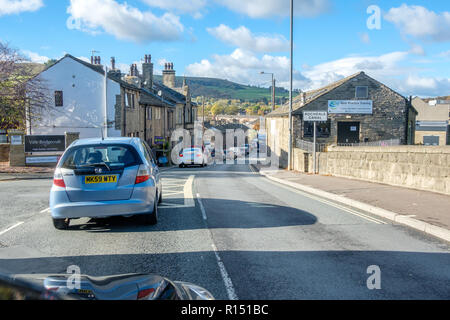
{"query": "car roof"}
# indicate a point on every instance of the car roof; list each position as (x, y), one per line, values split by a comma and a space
(116, 140)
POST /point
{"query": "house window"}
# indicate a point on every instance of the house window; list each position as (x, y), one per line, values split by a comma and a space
(362, 92)
(323, 129)
(157, 114)
(149, 113)
(59, 102)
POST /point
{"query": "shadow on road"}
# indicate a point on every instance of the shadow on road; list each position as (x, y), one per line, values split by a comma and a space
(220, 214)
(275, 275)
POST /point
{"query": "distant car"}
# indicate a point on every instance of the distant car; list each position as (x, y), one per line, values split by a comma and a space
(99, 178)
(245, 149)
(234, 153)
(193, 156)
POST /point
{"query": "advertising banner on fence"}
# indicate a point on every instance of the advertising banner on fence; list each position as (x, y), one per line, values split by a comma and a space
(350, 106)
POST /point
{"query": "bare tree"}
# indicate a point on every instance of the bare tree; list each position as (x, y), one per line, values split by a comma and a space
(23, 94)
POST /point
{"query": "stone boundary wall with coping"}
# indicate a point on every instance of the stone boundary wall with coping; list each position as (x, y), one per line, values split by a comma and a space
(418, 167)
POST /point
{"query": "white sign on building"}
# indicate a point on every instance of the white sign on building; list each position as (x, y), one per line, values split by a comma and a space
(315, 116)
(350, 106)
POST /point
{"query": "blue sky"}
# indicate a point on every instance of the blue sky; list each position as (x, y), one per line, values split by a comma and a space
(236, 39)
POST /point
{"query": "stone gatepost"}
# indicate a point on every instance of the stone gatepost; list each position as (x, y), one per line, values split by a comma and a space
(71, 137)
(16, 148)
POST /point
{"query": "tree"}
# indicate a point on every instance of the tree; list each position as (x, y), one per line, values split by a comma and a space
(22, 92)
(217, 109)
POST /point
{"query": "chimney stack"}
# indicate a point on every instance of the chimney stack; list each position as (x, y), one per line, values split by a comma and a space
(147, 72)
(169, 75)
(113, 63)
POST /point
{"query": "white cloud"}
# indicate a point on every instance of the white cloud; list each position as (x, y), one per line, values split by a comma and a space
(392, 69)
(380, 67)
(425, 86)
(417, 50)
(123, 21)
(193, 7)
(18, 6)
(35, 57)
(420, 22)
(280, 8)
(245, 39)
(244, 66)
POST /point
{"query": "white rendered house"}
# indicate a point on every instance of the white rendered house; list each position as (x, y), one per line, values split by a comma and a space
(80, 101)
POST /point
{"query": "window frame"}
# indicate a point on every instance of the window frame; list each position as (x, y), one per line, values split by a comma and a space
(367, 92)
(59, 99)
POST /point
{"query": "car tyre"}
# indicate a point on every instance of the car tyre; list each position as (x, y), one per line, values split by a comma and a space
(61, 224)
(151, 218)
(160, 198)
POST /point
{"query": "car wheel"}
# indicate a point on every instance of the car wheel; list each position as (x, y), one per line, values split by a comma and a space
(151, 218)
(160, 198)
(181, 165)
(61, 224)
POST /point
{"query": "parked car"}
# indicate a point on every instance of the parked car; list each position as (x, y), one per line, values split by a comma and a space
(193, 156)
(234, 153)
(100, 178)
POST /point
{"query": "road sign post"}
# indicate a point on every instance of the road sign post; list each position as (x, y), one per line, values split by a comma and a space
(315, 116)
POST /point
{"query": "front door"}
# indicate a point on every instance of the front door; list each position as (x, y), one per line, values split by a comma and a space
(348, 132)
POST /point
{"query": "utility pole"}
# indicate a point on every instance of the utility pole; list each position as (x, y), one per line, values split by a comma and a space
(290, 88)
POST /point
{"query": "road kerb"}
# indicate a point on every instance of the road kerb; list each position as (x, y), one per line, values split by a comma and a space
(425, 227)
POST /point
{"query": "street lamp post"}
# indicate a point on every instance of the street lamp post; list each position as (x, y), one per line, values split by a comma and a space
(290, 88)
(273, 88)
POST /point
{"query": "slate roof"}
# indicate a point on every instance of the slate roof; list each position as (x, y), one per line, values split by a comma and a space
(146, 97)
(310, 96)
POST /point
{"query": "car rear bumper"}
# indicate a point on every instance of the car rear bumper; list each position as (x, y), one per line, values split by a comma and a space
(192, 162)
(141, 202)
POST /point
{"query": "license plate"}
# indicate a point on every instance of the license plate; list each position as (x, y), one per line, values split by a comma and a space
(100, 179)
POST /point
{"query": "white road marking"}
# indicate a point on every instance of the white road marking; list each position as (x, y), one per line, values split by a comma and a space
(202, 208)
(188, 195)
(330, 203)
(10, 228)
(226, 278)
(45, 210)
(223, 271)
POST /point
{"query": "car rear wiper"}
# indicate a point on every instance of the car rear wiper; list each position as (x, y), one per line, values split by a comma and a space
(96, 164)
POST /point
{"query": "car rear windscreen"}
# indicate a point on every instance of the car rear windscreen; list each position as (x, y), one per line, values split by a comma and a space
(91, 155)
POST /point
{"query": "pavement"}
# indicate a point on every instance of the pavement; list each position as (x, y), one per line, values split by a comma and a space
(422, 210)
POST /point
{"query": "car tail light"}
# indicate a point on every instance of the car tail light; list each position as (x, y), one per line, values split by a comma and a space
(199, 155)
(58, 179)
(143, 294)
(143, 174)
(181, 155)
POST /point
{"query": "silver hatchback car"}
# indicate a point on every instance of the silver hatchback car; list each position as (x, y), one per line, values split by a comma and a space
(100, 178)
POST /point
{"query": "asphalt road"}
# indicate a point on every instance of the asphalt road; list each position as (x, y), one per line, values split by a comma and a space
(235, 233)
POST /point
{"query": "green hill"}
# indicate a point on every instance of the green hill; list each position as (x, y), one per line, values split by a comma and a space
(224, 89)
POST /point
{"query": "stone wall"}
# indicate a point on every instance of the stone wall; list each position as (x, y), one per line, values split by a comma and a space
(388, 120)
(277, 131)
(418, 167)
(4, 152)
